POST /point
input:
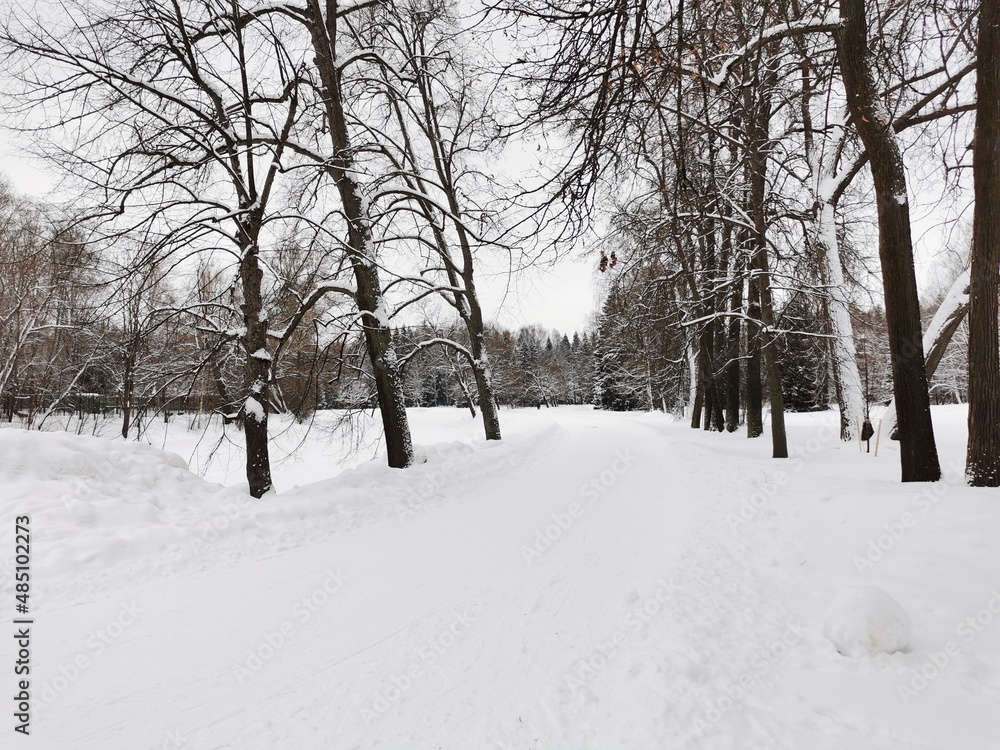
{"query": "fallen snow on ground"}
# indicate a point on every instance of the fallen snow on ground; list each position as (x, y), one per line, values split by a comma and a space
(594, 581)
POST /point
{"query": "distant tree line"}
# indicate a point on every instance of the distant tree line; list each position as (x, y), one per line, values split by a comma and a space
(646, 359)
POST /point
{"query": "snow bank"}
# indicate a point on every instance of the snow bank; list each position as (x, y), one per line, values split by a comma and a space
(94, 503)
(104, 509)
(865, 620)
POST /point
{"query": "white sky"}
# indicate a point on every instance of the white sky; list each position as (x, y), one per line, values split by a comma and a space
(27, 175)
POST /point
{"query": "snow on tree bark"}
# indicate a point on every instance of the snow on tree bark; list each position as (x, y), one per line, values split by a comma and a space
(940, 330)
(323, 26)
(256, 376)
(845, 361)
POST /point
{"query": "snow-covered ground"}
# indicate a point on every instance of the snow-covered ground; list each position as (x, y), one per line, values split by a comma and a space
(595, 581)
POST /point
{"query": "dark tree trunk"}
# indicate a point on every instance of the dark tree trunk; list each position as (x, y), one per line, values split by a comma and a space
(779, 440)
(484, 384)
(225, 400)
(733, 353)
(939, 334)
(714, 418)
(388, 381)
(762, 273)
(718, 417)
(761, 308)
(705, 357)
(127, 388)
(755, 395)
(256, 369)
(918, 451)
(768, 349)
(323, 25)
(982, 465)
(472, 314)
(708, 409)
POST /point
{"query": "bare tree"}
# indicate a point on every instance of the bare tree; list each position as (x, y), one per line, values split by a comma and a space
(342, 56)
(873, 123)
(445, 125)
(181, 125)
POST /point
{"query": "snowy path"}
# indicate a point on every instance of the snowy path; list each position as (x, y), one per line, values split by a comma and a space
(647, 620)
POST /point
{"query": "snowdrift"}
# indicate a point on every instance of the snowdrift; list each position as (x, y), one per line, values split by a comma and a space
(105, 508)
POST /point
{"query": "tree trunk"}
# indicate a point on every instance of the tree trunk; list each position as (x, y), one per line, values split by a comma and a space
(718, 416)
(466, 302)
(256, 369)
(697, 399)
(850, 394)
(755, 396)
(715, 418)
(706, 377)
(779, 439)
(698, 371)
(127, 388)
(982, 464)
(487, 402)
(480, 358)
(694, 395)
(733, 335)
(918, 451)
(463, 386)
(949, 316)
(381, 354)
(378, 338)
(759, 123)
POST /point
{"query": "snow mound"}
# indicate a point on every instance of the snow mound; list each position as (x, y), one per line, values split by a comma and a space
(865, 620)
(97, 504)
(94, 502)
